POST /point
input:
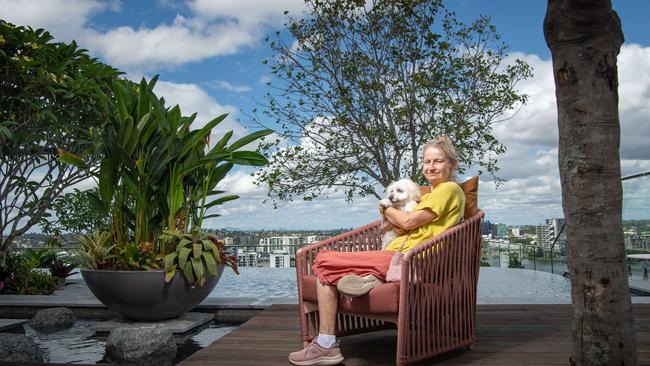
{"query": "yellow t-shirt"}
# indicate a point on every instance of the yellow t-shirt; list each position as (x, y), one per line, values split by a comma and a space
(447, 201)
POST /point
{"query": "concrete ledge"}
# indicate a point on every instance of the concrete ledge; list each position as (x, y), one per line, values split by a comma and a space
(12, 325)
(183, 327)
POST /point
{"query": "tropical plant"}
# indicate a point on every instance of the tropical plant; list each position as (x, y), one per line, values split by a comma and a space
(51, 94)
(39, 258)
(194, 256)
(138, 256)
(60, 269)
(157, 175)
(21, 276)
(96, 250)
(73, 213)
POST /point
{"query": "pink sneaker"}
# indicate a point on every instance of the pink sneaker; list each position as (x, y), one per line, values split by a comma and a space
(314, 354)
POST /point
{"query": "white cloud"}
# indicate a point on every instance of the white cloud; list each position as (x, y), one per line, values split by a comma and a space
(224, 85)
(192, 98)
(214, 28)
(265, 80)
(532, 191)
(64, 19)
(247, 12)
(168, 45)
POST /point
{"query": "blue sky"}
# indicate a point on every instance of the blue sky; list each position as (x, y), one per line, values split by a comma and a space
(209, 57)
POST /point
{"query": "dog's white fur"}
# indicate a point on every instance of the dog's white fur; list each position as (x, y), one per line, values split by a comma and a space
(402, 195)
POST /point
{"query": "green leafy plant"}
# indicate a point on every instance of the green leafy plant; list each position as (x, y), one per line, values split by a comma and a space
(97, 250)
(51, 94)
(158, 175)
(22, 277)
(138, 257)
(194, 256)
(39, 258)
(513, 261)
(484, 262)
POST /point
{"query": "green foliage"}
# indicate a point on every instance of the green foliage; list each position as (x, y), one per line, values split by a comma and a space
(97, 250)
(157, 175)
(484, 262)
(363, 87)
(74, 212)
(137, 257)
(39, 258)
(21, 276)
(196, 256)
(51, 94)
(513, 261)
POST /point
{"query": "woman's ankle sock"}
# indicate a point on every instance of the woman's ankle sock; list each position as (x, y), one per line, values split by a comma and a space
(325, 340)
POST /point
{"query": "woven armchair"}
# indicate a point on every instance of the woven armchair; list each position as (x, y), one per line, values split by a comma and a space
(434, 305)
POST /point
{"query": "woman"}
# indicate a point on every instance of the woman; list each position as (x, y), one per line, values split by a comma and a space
(346, 272)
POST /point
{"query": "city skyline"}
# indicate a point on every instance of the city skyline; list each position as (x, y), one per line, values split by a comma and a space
(209, 57)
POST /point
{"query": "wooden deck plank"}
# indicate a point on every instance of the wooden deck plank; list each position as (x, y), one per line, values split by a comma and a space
(506, 335)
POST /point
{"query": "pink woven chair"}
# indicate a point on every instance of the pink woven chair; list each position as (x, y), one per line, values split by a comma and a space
(433, 307)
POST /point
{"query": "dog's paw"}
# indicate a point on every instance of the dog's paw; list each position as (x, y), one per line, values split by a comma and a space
(385, 203)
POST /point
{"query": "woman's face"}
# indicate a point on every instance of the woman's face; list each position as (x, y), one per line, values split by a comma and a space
(436, 167)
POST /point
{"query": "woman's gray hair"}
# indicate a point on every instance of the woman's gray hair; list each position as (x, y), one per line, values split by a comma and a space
(443, 144)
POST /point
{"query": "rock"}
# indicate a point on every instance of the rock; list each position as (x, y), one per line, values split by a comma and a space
(141, 345)
(52, 319)
(19, 348)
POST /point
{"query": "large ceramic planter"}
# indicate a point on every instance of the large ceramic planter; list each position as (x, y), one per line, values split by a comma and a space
(144, 295)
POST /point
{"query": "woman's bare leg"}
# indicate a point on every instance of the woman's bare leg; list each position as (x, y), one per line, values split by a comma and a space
(327, 303)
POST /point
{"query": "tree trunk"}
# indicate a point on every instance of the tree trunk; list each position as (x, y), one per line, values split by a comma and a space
(585, 37)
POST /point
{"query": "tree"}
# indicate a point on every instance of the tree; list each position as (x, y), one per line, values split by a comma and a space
(585, 39)
(366, 84)
(513, 261)
(51, 95)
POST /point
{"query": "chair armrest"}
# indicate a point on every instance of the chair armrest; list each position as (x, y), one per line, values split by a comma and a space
(438, 259)
(365, 238)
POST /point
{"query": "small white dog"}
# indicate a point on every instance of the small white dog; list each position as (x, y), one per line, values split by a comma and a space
(403, 195)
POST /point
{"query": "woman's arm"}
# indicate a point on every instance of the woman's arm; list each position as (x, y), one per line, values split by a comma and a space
(386, 226)
(408, 220)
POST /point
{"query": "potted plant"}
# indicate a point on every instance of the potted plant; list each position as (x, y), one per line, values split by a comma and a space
(156, 182)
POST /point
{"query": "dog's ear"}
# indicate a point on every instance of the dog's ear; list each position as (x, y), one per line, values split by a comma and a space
(414, 189)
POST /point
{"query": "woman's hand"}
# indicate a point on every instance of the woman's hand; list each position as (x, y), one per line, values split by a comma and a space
(387, 226)
(409, 220)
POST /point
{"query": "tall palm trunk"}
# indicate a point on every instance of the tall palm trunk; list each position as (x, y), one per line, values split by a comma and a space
(585, 38)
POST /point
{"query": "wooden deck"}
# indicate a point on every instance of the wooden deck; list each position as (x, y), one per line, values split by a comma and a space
(506, 335)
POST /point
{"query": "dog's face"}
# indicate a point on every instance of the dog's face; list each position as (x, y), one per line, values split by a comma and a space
(402, 191)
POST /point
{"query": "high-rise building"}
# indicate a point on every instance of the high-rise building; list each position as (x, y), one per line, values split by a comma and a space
(547, 232)
(288, 243)
(499, 230)
(280, 259)
(246, 258)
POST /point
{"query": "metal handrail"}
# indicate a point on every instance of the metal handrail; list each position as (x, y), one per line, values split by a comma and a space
(564, 223)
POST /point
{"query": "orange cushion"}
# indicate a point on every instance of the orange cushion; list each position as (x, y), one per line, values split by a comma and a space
(382, 299)
(470, 188)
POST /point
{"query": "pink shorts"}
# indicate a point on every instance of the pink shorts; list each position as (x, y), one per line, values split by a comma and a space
(330, 266)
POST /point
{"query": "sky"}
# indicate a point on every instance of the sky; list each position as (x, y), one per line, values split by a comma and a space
(209, 56)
